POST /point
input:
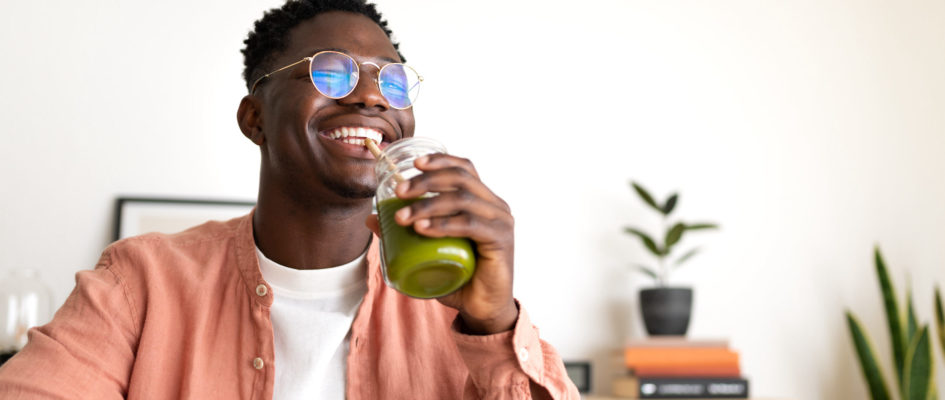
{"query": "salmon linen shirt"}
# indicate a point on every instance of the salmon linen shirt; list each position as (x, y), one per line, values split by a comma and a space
(186, 316)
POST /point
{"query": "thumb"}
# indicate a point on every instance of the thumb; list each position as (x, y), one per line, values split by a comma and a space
(372, 224)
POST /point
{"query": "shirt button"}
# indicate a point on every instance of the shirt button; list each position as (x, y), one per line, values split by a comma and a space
(261, 290)
(258, 363)
(523, 354)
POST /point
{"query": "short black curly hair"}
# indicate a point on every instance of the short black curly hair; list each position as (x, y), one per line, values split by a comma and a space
(270, 33)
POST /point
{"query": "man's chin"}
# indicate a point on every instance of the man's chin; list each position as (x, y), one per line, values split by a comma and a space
(357, 195)
(351, 191)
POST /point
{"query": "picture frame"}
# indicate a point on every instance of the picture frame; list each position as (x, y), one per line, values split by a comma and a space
(139, 215)
(580, 374)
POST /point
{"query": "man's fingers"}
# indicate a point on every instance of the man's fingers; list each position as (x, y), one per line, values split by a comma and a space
(447, 204)
(480, 230)
(439, 161)
(447, 180)
(457, 214)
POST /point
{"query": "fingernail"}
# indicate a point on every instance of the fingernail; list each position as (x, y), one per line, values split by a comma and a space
(422, 160)
(402, 187)
(423, 223)
(403, 213)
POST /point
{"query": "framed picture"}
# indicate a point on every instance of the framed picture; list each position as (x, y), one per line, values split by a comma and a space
(580, 374)
(136, 215)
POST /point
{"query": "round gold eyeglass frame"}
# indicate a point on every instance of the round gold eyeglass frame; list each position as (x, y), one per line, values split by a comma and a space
(356, 63)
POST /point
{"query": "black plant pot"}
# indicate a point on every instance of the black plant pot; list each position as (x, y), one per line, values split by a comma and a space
(666, 311)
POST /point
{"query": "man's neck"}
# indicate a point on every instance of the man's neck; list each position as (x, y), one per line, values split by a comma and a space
(310, 236)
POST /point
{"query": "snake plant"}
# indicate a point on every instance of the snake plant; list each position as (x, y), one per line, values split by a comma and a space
(911, 345)
(939, 318)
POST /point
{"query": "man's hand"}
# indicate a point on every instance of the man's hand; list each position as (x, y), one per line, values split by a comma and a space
(465, 207)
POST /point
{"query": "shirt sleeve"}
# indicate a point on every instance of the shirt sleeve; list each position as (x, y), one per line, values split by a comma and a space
(515, 364)
(86, 351)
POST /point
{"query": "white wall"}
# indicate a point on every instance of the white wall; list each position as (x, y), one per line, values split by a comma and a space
(809, 129)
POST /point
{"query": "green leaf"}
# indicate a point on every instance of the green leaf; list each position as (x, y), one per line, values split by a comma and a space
(893, 319)
(696, 227)
(646, 197)
(670, 203)
(648, 271)
(910, 315)
(674, 234)
(939, 318)
(918, 372)
(687, 256)
(868, 363)
(647, 241)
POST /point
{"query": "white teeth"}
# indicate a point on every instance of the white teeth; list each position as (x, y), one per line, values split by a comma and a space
(357, 135)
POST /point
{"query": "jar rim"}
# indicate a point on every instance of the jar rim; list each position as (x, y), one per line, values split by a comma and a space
(414, 141)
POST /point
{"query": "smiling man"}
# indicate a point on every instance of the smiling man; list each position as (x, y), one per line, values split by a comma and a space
(288, 302)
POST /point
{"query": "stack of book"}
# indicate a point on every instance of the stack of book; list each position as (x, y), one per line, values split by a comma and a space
(677, 368)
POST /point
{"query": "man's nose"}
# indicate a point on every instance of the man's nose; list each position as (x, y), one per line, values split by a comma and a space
(366, 93)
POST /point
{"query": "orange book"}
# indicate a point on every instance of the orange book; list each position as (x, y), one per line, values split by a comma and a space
(688, 371)
(679, 356)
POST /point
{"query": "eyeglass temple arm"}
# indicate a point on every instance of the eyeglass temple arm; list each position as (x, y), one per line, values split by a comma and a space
(253, 89)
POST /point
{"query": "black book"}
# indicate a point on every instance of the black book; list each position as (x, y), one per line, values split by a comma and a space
(687, 388)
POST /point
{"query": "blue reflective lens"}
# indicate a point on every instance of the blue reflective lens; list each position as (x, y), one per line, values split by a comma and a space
(399, 84)
(334, 74)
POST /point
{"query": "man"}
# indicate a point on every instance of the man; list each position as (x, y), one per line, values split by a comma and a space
(288, 302)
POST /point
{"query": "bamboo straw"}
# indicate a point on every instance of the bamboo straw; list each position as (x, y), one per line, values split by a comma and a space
(379, 154)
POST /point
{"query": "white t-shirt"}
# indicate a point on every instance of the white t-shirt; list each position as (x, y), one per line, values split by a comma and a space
(311, 315)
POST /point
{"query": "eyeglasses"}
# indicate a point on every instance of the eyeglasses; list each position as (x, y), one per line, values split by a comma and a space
(335, 75)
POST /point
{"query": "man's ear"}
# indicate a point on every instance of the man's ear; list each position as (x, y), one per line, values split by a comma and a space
(249, 117)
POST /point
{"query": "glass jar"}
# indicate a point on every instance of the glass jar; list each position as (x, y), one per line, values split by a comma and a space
(416, 265)
(25, 302)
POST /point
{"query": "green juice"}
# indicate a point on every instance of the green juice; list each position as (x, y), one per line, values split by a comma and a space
(421, 266)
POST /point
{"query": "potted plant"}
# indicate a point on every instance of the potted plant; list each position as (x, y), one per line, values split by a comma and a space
(666, 309)
(913, 362)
